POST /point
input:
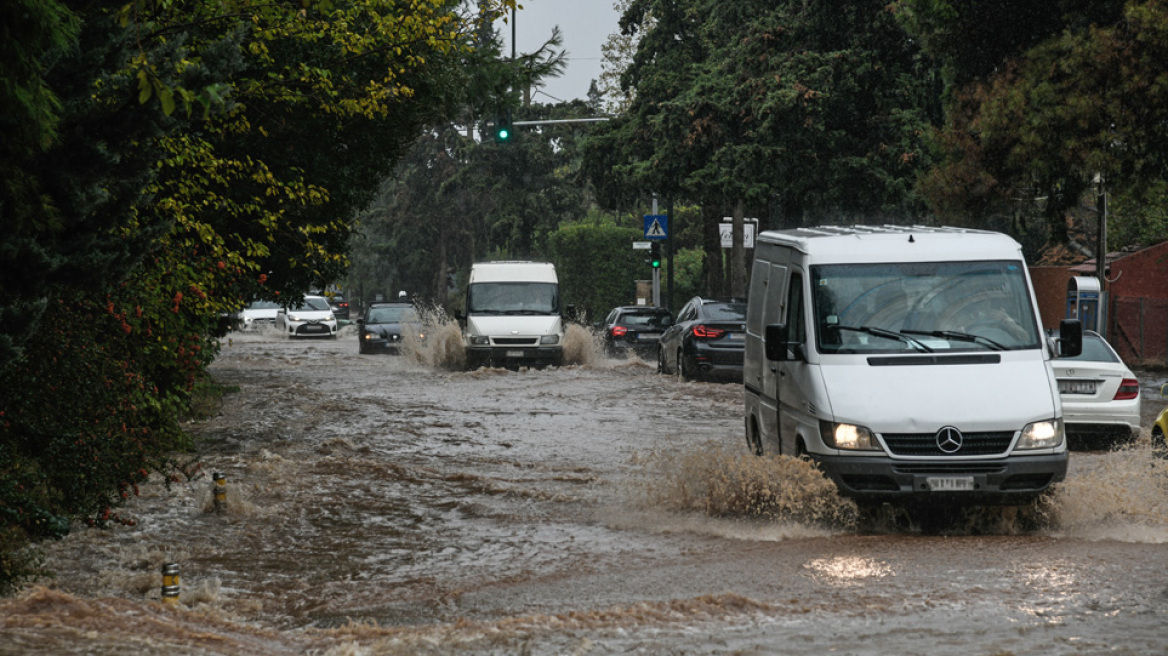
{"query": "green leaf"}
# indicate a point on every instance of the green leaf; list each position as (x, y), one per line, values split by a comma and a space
(167, 97)
(144, 87)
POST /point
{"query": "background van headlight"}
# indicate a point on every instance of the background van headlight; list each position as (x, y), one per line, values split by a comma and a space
(549, 339)
(480, 340)
(1042, 434)
(848, 436)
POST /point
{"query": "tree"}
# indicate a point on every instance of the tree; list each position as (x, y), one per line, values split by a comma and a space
(805, 111)
(172, 160)
(1046, 106)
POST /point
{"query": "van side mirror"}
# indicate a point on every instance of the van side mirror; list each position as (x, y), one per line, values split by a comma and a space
(778, 348)
(1070, 342)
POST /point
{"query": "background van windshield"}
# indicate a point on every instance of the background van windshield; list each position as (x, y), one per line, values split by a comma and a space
(930, 306)
(513, 298)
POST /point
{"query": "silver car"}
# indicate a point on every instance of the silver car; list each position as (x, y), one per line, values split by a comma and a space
(1100, 395)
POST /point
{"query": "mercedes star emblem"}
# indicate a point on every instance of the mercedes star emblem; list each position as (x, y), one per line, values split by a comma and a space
(949, 439)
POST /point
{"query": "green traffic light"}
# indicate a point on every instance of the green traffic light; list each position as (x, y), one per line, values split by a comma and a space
(504, 134)
(656, 264)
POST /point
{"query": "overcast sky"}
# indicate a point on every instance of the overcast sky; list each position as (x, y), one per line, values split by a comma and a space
(585, 25)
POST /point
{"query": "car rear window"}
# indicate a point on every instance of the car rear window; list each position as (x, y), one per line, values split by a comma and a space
(644, 320)
(725, 311)
(1095, 350)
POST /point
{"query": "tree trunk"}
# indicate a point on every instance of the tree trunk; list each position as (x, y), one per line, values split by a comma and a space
(737, 253)
(712, 242)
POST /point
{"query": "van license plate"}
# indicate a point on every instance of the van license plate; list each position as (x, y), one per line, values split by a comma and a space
(950, 483)
(514, 354)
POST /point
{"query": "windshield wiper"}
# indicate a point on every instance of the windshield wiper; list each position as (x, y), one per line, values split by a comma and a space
(527, 312)
(961, 337)
(888, 334)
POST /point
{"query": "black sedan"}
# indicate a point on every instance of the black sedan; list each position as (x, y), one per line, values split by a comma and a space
(339, 304)
(634, 327)
(385, 325)
(707, 341)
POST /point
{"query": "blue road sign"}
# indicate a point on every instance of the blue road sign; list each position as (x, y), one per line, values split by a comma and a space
(656, 226)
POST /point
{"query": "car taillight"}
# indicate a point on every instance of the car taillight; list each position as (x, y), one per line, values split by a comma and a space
(342, 304)
(1128, 390)
(619, 331)
(707, 332)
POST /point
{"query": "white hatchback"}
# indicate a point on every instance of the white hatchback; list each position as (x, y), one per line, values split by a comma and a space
(258, 314)
(312, 318)
(1100, 394)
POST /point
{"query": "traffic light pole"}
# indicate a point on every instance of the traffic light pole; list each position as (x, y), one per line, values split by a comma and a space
(656, 268)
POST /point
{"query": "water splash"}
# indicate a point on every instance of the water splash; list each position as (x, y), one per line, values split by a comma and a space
(442, 346)
(1122, 495)
(719, 481)
(582, 346)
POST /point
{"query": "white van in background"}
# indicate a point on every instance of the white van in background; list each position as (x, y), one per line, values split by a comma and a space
(513, 315)
(908, 362)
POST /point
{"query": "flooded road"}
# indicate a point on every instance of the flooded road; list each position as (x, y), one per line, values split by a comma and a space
(398, 505)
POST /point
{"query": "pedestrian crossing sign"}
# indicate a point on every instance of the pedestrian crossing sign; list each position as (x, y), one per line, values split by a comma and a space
(656, 226)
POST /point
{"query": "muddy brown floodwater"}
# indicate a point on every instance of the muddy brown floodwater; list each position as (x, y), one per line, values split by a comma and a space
(399, 505)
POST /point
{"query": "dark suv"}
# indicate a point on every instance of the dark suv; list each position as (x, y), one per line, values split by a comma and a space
(634, 327)
(707, 341)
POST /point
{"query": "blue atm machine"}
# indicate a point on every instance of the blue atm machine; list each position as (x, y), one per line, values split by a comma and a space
(1083, 301)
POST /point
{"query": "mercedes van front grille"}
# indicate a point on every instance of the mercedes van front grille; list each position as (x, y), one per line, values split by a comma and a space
(925, 444)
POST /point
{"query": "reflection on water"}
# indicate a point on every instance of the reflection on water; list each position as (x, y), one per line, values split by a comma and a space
(848, 570)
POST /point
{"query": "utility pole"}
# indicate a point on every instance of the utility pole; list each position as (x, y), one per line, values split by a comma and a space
(669, 246)
(1101, 254)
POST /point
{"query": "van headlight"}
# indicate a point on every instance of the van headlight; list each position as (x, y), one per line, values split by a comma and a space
(848, 436)
(480, 340)
(1042, 434)
(549, 339)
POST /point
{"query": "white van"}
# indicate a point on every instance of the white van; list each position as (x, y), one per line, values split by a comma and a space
(512, 315)
(908, 362)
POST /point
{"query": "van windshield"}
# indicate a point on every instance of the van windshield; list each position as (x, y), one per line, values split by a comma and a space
(922, 307)
(513, 298)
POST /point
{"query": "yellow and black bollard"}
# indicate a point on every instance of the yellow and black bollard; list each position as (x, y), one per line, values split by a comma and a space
(170, 583)
(220, 488)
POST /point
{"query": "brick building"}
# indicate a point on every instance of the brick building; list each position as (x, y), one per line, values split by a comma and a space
(1137, 304)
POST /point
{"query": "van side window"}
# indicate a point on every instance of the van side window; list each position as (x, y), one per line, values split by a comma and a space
(796, 326)
(760, 280)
